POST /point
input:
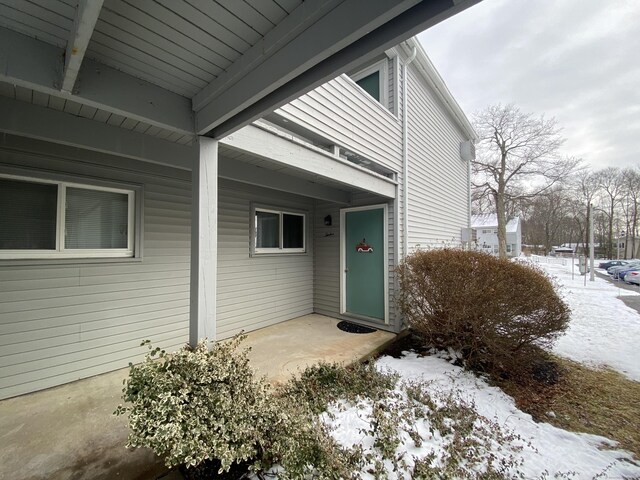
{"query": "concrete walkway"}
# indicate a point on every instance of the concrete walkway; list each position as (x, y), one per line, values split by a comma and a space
(69, 432)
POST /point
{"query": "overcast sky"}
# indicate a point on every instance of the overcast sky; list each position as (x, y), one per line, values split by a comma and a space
(576, 60)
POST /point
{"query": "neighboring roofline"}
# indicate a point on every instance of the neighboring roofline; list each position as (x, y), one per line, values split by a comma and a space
(434, 79)
(515, 221)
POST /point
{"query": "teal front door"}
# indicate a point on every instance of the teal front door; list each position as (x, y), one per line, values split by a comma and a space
(364, 262)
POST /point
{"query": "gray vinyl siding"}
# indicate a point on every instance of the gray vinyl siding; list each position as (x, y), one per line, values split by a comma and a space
(65, 320)
(343, 113)
(393, 92)
(327, 273)
(438, 177)
(326, 295)
(260, 290)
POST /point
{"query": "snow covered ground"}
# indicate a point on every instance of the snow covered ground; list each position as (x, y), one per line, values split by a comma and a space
(549, 451)
(603, 331)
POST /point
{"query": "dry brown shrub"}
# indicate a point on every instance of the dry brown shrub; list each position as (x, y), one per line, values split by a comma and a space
(495, 312)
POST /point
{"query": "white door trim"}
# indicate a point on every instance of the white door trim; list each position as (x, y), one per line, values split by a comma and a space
(343, 260)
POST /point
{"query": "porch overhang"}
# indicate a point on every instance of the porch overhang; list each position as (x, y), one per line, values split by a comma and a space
(33, 121)
(124, 60)
(35, 64)
(341, 36)
(296, 157)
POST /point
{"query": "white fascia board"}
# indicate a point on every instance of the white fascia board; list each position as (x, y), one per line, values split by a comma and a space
(274, 148)
(87, 12)
(33, 121)
(435, 81)
(276, 180)
(34, 64)
(313, 32)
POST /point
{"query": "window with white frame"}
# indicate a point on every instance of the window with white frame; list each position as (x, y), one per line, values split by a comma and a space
(375, 81)
(278, 231)
(41, 218)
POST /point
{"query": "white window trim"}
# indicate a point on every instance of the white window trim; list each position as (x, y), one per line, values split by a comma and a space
(383, 68)
(280, 250)
(60, 252)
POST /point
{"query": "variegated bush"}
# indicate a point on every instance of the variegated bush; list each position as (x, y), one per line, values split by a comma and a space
(198, 404)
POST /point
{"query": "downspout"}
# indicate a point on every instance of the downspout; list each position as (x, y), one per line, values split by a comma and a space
(405, 154)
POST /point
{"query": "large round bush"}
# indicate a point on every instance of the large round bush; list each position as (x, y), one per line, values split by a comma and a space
(495, 312)
(199, 404)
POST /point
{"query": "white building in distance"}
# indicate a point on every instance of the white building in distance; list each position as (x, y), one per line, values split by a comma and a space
(483, 234)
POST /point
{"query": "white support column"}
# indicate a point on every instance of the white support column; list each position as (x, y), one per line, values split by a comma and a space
(204, 241)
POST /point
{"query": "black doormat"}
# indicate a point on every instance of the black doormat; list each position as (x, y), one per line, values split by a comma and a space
(354, 328)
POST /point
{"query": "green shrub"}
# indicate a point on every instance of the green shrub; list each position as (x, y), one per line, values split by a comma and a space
(198, 404)
(496, 313)
(399, 417)
(305, 447)
(323, 383)
(203, 409)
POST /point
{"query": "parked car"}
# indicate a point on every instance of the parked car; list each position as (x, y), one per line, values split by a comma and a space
(620, 274)
(612, 263)
(633, 277)
(614, 270)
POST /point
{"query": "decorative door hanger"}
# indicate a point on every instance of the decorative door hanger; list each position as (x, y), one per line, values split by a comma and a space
(364, 247)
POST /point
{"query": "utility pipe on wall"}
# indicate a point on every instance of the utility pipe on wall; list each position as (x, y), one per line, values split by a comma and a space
(405, 153)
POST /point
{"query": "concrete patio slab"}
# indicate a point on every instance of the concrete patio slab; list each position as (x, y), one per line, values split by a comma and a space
(282, 350)
(69, 432)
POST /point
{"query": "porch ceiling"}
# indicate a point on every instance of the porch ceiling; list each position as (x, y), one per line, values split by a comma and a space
(191, 67)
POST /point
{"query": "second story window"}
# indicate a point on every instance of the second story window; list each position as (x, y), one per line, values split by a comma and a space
(371, 84)
(374, 80)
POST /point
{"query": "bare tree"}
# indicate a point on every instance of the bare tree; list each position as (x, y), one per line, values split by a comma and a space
(631, 206)
(554, 206)
(548, 219)
(580, 221)
(611, 182)
(517, 157)
(586, 189)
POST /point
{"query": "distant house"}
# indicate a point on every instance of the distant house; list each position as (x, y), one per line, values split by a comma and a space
(627, 247)
(568, 249)
(565, 249)
(483, 234)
